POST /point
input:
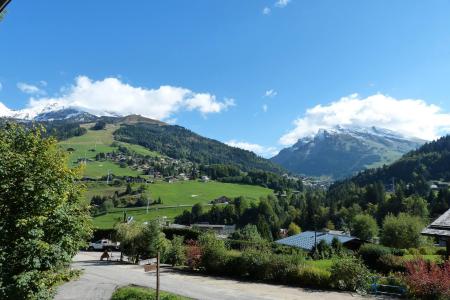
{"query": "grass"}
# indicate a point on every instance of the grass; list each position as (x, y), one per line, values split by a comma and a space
(142, 293)
(430, 257)
(184, 192)
(171, 194)
(323, 264)
(110, 219)
(95, 141)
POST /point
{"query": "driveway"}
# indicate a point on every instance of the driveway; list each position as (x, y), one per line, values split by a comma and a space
(100, 279)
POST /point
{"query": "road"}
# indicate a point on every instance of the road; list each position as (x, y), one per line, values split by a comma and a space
(100, 279)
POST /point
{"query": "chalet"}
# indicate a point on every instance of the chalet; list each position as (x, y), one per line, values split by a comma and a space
(308, 239)
(440, 229)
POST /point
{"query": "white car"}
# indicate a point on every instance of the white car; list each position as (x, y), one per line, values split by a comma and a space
(103, 244)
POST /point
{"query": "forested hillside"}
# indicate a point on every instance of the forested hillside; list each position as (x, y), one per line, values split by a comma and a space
(181, 143)
(429, 162)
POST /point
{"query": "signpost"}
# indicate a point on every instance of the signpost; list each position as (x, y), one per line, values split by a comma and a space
(157, 277)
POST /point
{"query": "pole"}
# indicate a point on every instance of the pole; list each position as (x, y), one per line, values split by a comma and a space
(157, 276)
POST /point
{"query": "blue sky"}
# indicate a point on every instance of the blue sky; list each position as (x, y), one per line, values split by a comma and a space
(213, 54)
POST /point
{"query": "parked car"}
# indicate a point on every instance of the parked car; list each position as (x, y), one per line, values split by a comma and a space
(103, 244)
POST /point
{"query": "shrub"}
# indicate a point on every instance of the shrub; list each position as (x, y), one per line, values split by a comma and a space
(349, 273)
(177, 253)
(364, 227)
(193, 254)
(256, 263)
(214, 253)
(402, 231)
(427, 280)
(187, 233)
(371, 253)
(391, 263)
(313, 277)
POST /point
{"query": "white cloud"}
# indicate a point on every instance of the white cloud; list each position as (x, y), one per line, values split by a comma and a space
(410, 117)
(270, 93)
(266, 11)
(258, 149)
(30, 88)
(265, 107)
(111, 96)
(282, 3)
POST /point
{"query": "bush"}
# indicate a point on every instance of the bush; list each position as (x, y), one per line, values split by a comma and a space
(308, 276)
(371, 253)
(349, 273)
(364, 227)
(402, 231)
(187, 233)
(391, 263)
(427, 280)
(177, 253)
(193, 254)
(214, 253)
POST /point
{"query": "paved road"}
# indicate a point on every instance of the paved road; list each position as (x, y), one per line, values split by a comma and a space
(100, 279)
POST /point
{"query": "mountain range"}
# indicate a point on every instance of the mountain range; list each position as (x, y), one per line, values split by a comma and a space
(335, 153)
(343, 151)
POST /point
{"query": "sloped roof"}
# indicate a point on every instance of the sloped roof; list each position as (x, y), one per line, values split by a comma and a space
(440, 227)
(305, 240)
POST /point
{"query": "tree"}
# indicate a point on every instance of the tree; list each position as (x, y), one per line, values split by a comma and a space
(99, 125)
(248, 233)
(364, 227)
(44, 221)
(141, 241)
(294, 229)
(416, 206)
(402, 231)
(177, 252)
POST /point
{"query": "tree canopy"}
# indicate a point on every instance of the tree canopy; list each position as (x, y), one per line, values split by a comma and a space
(44, 221)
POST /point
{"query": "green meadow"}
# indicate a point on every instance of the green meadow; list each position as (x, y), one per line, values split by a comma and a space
(179, 195)
(93, 142)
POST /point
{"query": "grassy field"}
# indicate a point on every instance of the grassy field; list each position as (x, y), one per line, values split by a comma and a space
(185, 193)
(138, 214)
(96, 141)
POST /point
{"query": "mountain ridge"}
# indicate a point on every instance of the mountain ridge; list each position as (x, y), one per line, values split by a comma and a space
(340, 151)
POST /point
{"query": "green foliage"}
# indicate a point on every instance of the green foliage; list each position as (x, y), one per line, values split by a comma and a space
(180, 143)
(349, 273)
(44, 222)
(176, 256)
(141, 293)
(141, 241)
(402, 231)
(294, 229)
(249, 233)
(371, 253)
(214, 253)
(99, 125)
(309, 276)
(364, 227)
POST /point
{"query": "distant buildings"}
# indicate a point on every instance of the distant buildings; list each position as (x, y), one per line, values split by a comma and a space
(308, 239)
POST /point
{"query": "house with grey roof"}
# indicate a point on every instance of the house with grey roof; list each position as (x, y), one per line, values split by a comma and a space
(308, 239)
(440, 228)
